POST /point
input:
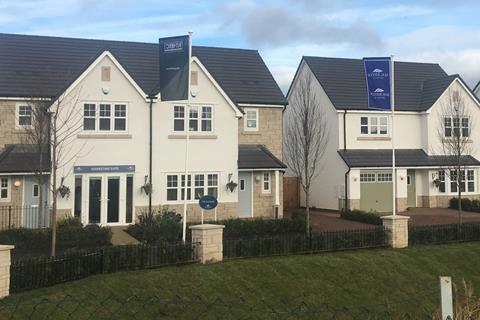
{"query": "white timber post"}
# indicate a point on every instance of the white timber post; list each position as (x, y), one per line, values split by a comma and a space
(5, 261)
(208, 242)
(446, 298)
(397, 230)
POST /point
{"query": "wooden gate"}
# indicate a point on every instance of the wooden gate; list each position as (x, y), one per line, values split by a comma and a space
(291, 193)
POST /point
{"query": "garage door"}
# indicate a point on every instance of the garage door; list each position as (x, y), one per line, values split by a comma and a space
(376, 191)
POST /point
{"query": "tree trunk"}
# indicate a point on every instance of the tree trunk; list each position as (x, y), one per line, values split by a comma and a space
(307, 211)
(53, 221)
(459, 206)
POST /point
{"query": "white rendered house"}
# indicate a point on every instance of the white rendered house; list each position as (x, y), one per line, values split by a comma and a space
(358, 157)
(234, 119)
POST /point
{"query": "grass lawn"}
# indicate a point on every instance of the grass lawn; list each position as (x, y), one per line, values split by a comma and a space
(353, 284)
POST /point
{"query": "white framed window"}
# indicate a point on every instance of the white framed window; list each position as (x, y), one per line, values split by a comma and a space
(470, 180)
(207, 119)
(212, 187)
(105, 117)
(35, 191)
(384, 177)
(266, 182)
(454, 182)
(251, 120)
(178, 118)
(368, 177)
(4, 189)
(89, 116)
(172, 188)
(199, 190)
(456, 127)
(24, 115)
(441, 181)
(374, 125)
(199, 119)
(203, 183)
(120, 117)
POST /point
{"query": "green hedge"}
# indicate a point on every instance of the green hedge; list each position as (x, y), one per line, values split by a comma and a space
(70, 234)
(167, 226)
(467, 204)
(361, 216)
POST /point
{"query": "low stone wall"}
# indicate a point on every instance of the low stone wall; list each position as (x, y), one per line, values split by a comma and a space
(440, 201)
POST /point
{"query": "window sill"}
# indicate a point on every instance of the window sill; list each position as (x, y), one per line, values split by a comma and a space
(193, 136)
(375, 138)
(253, 132)
(104, 136)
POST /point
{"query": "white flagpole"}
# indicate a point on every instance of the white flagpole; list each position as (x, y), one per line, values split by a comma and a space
(187, 138)
(392, 102)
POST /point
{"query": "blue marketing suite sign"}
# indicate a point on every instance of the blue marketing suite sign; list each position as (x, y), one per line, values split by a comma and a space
(377, 75)
(104, 169)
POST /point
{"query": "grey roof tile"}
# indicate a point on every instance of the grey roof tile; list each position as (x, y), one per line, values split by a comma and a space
(15, 158)
(257, 156)
(363, 158)
(344, 82)
(45, 66)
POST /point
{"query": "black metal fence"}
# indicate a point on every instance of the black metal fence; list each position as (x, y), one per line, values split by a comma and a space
(32, 217)
(436, 234)
(302, 243)
(40, 272)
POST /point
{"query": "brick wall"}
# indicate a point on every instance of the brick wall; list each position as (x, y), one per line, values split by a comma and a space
(8, 133)
(269, 132)
(264, 203)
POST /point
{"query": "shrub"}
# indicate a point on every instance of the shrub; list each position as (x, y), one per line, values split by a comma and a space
(251, 228)
(467, 204)
(156, 227)
(361, 216)
(70, 234)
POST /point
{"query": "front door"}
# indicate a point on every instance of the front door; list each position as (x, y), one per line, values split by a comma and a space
(245, 194)
(113, 206)
(35, 214)
(411, 191)
(94, 200)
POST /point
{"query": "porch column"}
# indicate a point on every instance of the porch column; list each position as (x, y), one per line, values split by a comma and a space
(277, 188)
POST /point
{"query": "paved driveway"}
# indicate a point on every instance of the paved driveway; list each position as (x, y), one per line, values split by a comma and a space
(326, 220)
(428, 216)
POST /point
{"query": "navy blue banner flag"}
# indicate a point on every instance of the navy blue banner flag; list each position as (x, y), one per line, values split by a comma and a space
(377, 75)
(174, 68)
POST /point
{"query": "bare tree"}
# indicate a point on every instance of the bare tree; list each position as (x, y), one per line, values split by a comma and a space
(454, 134)
(306, 136)
(36, 140)
(66, 122)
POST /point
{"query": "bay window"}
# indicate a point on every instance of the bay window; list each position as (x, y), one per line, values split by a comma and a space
(441, 181)
(467, 180)
(203, 184)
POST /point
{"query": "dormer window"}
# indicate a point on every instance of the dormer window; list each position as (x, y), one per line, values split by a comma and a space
(374, 125)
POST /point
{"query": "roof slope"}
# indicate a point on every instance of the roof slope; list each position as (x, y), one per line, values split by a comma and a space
(16, 158)
(364, 158)
(257, 156)
(416, 84)
(46, 66)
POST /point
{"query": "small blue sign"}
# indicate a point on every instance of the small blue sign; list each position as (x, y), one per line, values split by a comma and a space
(377, 75)
(104, 169)
(208, 202)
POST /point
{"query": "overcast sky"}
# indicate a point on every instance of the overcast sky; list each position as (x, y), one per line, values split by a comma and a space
(440, 31)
